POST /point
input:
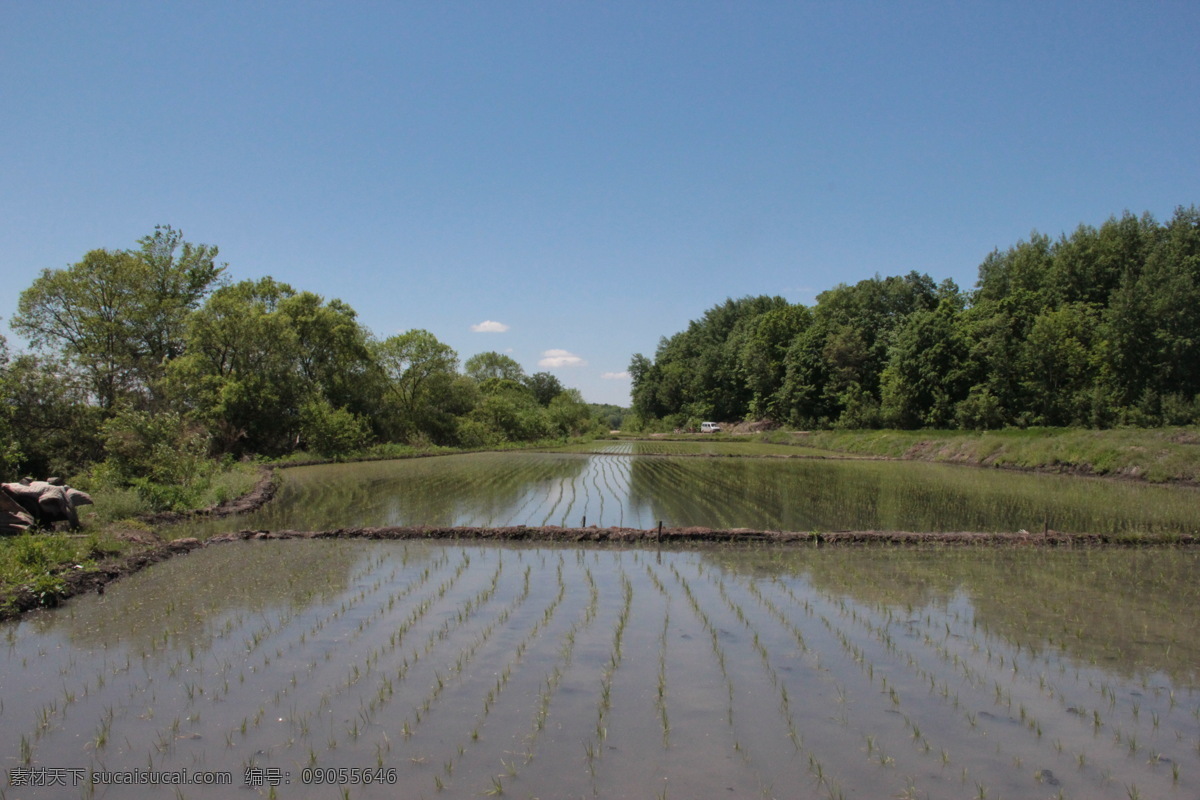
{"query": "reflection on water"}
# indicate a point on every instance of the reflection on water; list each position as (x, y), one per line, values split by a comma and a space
(1132, 611)
(620, 490)
(181, 603)
(572, 672)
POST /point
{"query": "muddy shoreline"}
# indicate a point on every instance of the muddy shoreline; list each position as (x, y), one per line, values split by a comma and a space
(694, 535)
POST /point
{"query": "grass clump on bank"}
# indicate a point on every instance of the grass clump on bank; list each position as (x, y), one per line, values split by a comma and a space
(35, 567)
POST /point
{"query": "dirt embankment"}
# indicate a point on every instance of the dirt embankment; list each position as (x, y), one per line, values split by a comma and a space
(686, 536)
(256, 498)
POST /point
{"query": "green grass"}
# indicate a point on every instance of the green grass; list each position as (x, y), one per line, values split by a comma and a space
(1157, 455)
(39, 563)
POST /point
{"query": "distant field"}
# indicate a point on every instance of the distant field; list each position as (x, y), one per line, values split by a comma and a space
(1157, 455)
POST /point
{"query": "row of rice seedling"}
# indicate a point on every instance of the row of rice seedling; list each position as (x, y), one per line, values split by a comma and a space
(1018, 693)
(470, 670)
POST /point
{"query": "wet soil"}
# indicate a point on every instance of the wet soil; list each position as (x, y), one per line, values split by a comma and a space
(671, 536)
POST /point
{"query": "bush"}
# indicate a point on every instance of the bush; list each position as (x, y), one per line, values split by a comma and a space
(330, 431)
(980, 410)
(161, 448)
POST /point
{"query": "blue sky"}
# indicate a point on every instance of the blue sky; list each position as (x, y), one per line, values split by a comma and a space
(588, 175)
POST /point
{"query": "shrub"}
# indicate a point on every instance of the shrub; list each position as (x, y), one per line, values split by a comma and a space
(331, 431)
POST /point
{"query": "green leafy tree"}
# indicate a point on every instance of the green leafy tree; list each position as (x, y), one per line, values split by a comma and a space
(163, 455)
(120, 315)
(507, 411)
(241, 374)
(762, 358)
(545, 387)
(331, 350)
(420, 374)
(569, 415)
(926, 376)
(483, 366)
(1059, 365)
(801, 399)
(329, 431)
(56, 429)
(10, 450)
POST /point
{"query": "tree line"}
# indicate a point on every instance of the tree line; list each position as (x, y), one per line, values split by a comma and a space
(1099, 328)
(149, 361)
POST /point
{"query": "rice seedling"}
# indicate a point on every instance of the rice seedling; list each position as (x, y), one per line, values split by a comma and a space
(829, 640)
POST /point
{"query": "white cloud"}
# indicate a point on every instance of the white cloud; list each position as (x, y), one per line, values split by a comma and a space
(615, 376)
(560, 358)
(489, 326)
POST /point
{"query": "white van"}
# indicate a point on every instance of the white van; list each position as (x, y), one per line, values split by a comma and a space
(710, 427)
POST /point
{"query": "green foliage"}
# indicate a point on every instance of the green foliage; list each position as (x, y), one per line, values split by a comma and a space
(1098, 328)
(55, 429)
(544, 386)
(980, 410)
(493, 365)
(419, 374)
(507, 411)
(610, 417)
(569, 415)
(331, 432)
(119, 315)
(10, 448)
(164, 456)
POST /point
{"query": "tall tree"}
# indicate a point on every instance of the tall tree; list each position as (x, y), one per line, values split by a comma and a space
(119, 315)
(240, 373)
(10, 451)
(419, 371)
(482, 366)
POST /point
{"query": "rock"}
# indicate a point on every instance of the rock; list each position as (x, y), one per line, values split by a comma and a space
(13, 518)
(46, 503)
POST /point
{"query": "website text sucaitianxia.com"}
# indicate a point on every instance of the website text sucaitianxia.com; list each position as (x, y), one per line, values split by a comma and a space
(253, 777)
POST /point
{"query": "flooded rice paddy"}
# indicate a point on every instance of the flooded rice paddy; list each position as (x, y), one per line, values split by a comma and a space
(621, 487)
(424, 670)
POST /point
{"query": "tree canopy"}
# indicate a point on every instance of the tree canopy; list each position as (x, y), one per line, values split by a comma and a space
(152, 352)
(1097, 328)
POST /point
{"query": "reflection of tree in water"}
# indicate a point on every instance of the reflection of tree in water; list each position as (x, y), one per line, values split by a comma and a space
(181, 602)
(766, 494)
(495, 489)
(485, 489)
(468, 489)
(1127, 611)
(1131, 612)
(807, 495)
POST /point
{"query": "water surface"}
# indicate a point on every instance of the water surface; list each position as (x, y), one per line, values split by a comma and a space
(623, 489)
(458, 671)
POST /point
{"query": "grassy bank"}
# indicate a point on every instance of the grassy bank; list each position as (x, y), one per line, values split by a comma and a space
(1159, 455)
(40, 568)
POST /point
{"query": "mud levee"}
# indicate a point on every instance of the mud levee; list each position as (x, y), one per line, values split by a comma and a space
(684, 536)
